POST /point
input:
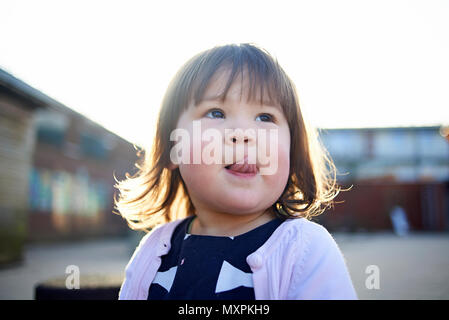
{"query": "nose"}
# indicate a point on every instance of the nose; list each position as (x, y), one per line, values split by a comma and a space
(239, 135)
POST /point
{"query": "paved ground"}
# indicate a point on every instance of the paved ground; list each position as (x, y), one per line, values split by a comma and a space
(47, 261)
(413, 267)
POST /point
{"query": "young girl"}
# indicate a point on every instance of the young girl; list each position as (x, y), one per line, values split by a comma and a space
(233, 229)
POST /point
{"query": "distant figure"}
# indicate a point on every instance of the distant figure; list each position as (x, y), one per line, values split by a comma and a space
(399, 221)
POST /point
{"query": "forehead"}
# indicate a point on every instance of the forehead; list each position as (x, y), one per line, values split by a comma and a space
(226, 85)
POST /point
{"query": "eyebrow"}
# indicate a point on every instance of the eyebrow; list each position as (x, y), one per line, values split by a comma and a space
(210, 99)
(265, 103)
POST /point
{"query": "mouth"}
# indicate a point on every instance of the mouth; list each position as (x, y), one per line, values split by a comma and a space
(242, 168)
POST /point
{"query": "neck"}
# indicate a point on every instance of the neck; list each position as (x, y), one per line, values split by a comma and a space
(225, 224)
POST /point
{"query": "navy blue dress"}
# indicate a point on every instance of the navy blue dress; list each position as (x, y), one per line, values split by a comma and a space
(199, 267)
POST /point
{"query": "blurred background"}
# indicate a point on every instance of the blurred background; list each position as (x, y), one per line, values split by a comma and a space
(81, 84)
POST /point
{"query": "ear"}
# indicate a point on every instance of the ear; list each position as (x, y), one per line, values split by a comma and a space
(172, 166)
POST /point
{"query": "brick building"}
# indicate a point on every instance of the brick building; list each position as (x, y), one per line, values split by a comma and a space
(386, 167)
(57, 170)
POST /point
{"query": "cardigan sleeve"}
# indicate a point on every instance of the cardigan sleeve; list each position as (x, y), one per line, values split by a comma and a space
(134, 268)
(320, 271)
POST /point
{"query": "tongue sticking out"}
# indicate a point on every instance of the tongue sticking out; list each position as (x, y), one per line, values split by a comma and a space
(243, 167)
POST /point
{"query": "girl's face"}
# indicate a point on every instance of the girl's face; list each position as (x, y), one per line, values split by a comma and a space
(214, 187)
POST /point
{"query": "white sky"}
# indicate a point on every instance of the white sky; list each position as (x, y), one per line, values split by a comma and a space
(355, 63)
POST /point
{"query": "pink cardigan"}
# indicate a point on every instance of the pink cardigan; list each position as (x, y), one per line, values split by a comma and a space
(299, 261)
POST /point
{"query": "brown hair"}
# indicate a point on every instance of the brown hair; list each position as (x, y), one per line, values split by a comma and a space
(156, 194)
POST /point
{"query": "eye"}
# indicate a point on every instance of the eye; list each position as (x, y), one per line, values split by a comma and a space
(215, 114)
(265, 117)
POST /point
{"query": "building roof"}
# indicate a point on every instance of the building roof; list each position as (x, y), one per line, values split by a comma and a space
(398, 128)
(38, 99)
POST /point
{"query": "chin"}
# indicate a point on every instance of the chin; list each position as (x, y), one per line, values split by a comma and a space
(242, 205)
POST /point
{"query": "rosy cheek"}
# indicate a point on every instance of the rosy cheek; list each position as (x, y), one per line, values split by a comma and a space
(274, 153)
(284, 161)
(202, 151)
